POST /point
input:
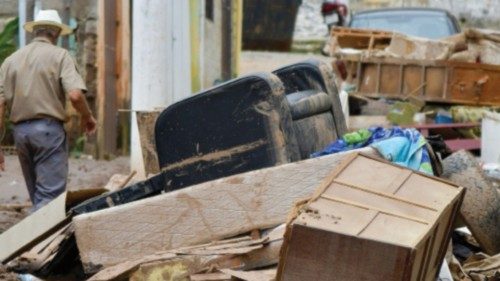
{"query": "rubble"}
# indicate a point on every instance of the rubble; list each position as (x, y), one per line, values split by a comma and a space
(402, 46)
(204, 217)
(462, 69)
(241, 253)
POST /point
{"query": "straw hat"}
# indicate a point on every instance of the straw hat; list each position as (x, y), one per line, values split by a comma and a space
(48, 17)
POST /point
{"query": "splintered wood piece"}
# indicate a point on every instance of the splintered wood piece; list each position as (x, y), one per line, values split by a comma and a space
(266, 255)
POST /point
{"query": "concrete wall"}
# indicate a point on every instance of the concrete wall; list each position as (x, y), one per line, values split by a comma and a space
(212, 50)
(8, 10)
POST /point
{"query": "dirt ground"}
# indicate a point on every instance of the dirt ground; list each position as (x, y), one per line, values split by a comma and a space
(83, 173)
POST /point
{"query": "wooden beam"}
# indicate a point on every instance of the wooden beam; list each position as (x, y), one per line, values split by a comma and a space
(205, 212)
(106, 80)
(123, 71)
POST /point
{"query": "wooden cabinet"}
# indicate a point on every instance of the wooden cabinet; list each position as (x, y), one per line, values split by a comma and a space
(371, 220)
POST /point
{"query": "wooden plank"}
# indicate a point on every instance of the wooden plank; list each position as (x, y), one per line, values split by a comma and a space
(211, 257)
(33, 228)
(106, 77)
(197, 214)
(123, 71)
(481, 207)
(391, 223)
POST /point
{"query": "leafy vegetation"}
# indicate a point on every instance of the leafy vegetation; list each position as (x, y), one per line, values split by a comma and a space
(8, 39)
(7, 47)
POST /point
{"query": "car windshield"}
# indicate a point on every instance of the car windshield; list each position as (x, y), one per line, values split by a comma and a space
(426, 26)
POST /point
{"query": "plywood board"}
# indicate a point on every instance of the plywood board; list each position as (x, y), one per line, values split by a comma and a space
(33, 228)
(481, 207)
(197, 214)
(42, 223)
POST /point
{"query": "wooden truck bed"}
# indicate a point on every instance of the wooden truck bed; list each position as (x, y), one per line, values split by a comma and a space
(433, 81)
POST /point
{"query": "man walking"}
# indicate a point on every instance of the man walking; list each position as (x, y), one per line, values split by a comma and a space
(34, 83)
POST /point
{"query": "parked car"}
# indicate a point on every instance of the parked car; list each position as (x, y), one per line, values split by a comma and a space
(422, 22)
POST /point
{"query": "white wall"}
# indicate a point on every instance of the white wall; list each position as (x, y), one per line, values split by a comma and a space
(160, 61)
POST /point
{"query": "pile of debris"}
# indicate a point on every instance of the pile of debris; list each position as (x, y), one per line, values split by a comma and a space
(472, 45)
(437, 86)
(319, 218)
(228, 204)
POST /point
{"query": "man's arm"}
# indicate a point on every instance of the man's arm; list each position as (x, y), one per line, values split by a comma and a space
(78, 101)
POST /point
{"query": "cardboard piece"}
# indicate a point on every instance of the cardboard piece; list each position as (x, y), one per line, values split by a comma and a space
(384, 223)
(198, 214)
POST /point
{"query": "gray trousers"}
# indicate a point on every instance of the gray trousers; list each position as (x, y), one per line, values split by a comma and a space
(43, 153)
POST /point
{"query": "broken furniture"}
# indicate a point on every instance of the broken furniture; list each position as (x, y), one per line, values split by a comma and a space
(245, 124)
(384, 223)
(314, 104)
(249, 123)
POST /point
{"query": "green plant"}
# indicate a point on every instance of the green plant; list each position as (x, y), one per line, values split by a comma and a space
(8, 39)
(7, 47)
(77, 150)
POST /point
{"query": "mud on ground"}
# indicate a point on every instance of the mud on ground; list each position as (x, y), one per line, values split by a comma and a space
(83, 173)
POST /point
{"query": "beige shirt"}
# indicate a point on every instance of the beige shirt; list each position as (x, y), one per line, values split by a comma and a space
(35, 80)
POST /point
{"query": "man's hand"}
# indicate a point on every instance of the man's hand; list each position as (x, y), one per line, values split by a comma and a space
(2, 161)
(89, 125)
